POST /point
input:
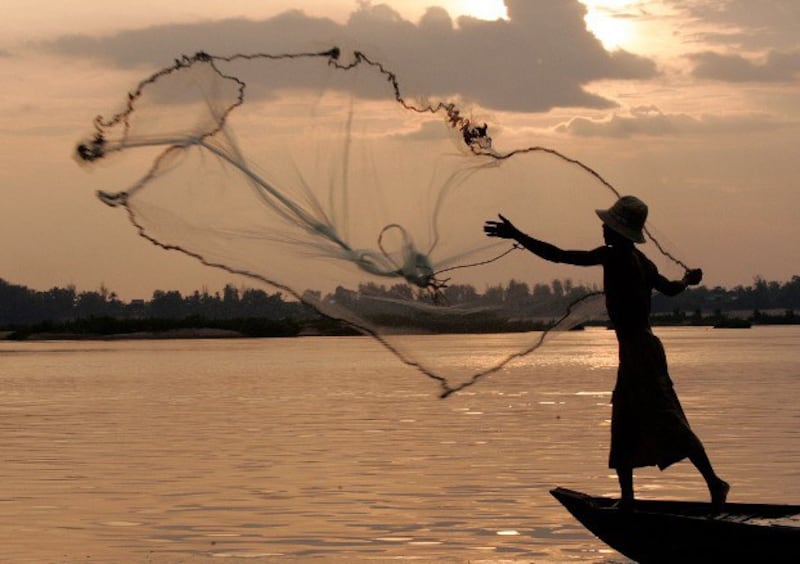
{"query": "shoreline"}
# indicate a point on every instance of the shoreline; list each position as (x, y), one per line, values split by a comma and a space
(198, 333)
(219, 333)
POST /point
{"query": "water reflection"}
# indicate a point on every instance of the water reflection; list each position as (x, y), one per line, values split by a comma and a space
(293, 449)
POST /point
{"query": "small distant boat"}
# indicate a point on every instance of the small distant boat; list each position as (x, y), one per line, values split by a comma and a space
(733, 324)
(683, 531)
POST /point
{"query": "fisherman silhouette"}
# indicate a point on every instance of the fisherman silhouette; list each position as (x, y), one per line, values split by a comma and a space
(648, 425)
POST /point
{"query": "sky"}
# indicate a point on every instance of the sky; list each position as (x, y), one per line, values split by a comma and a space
(692, 105)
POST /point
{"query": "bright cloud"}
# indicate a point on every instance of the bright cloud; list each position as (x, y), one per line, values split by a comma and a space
(541, 57)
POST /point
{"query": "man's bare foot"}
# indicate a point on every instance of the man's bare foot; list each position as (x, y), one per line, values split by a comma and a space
(719, 494)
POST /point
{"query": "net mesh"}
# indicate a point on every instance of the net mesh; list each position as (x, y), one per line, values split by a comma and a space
(314, 173)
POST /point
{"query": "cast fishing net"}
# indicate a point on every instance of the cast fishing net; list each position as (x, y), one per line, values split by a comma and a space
(316, 174)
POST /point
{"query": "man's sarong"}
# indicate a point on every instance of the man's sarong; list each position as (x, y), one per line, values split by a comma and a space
(648, 426)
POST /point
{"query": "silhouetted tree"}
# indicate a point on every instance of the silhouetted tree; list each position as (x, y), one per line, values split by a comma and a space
(517, 293)
(168, 305)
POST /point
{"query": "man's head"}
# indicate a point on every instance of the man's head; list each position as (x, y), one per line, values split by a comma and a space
(626, 217)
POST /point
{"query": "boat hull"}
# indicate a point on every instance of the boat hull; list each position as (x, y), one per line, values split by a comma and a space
(676, 531)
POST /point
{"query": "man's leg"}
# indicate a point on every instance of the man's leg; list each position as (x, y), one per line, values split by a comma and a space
(717, 487)
(625, 477)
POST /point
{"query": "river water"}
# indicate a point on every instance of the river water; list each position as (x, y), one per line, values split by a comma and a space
(329, 449)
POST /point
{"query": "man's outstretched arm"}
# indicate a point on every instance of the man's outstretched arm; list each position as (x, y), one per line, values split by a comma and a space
(506, 230)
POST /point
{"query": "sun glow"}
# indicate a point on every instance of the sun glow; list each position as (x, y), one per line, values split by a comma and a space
(606, 20)
(485, 9)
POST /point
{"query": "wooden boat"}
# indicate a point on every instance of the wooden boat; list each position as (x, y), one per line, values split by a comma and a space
(683, 531)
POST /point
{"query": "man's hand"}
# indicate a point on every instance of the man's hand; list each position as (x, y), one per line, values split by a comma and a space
(503, 229)
(693, 277)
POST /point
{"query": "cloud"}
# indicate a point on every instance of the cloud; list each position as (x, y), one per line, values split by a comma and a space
(650, 121)
(745, 23)
(541, 57)
(775, 67)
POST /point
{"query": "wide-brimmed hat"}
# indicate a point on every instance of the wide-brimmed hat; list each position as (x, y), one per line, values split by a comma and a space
(626, 217)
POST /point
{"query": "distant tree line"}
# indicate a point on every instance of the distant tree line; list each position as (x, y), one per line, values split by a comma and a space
(20, 305)
(759, 297)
